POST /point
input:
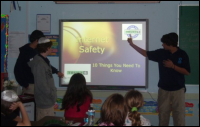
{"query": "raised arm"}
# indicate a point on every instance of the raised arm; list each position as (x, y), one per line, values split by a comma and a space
(138, 49)
(25, 120)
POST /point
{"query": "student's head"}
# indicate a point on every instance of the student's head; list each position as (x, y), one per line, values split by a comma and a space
(170, 39)
(44, 45)
(36, 35)
(134, 101)
(114, 110)
(8, 97)
(77, 91)
(77, 80)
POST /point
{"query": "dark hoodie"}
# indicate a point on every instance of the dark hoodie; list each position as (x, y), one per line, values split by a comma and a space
(22, 71)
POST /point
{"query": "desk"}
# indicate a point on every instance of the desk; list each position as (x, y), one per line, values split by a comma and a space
(30, 106)
(48, 118)
(45, 119)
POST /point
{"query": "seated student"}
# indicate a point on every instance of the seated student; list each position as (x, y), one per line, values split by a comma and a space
(134, 101)
(9, 103)
(113, 111)
(77, 98)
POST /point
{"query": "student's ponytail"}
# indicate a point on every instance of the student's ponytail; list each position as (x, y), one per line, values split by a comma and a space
(135, 118)
(134, 101)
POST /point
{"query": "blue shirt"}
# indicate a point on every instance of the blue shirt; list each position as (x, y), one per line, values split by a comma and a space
(169, 79)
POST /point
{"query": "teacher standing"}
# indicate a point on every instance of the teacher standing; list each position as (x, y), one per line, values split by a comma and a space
(173, 64)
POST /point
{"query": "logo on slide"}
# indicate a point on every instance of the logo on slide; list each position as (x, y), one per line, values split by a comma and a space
(135, 30)
(74, 72)
(71, 69)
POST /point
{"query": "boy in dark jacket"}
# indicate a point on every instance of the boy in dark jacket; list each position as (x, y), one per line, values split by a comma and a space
(22, 71)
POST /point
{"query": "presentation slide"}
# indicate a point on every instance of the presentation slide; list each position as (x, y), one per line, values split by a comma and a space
(99, 50)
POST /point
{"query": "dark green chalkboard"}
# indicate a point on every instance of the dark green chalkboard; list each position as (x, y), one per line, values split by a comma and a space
(189, 39)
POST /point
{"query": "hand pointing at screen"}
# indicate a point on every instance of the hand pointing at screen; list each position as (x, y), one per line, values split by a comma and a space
(138, 49)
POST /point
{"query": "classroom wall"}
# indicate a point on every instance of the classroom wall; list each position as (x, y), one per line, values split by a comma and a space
(163, 18)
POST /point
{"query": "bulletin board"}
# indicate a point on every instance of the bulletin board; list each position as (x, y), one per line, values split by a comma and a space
(4, 42)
